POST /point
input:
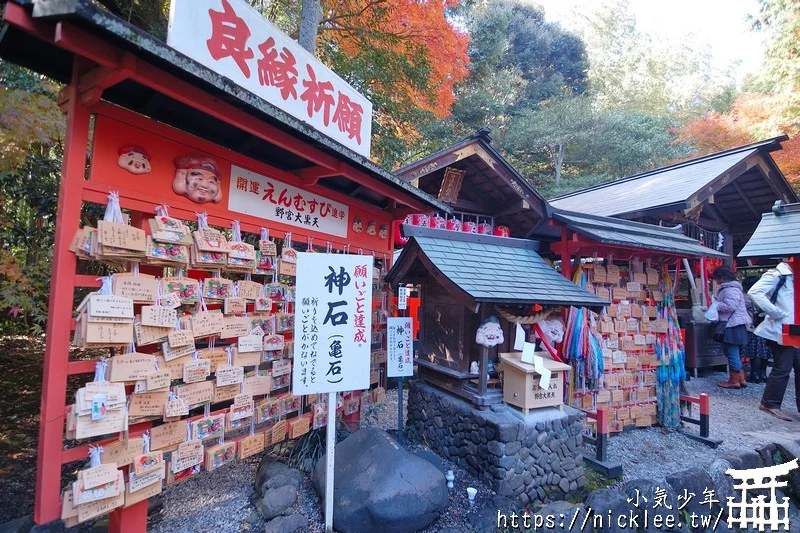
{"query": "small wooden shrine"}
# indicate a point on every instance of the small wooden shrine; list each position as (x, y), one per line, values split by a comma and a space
(466, 281)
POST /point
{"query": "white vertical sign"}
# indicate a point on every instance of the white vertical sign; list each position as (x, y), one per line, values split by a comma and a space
(399, 352)
(332, 323)
(234, 40)
(402, 298)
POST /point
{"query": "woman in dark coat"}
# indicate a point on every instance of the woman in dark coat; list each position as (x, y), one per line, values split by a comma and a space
(757, 349)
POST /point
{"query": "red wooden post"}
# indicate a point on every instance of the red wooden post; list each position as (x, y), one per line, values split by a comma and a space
(705, 412)
(601, 445)
(56, 357)
(795, 264)
(132, 519)
(566, 265)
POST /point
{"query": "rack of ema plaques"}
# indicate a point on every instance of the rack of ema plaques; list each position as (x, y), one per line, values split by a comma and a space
(522, 382)
(197, 324)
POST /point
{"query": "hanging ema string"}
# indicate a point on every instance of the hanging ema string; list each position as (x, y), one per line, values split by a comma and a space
(264, 234)
(328, 247)
(200, 298)
(229, 353)
(202, 220)
(113, 211)
(236, 231)
(95, 453)
(310, 244)
(106, 285)
(145, 443)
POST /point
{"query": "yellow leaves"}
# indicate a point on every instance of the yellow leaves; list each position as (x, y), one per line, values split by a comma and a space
(26, 118)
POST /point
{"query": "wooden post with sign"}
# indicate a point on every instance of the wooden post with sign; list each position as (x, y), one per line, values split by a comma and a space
(399, 359)
(334, 298)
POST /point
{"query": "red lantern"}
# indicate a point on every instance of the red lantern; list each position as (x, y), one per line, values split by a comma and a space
(484, 228)
(398, 235)
(438, 222)
(502, 231)
(469, 227)
(454, 224)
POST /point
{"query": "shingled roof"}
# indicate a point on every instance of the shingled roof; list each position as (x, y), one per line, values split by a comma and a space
(778, 234)
(679, 186)
(625, 233)
(485, 268)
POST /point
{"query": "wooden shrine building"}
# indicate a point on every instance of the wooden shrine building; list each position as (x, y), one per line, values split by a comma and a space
(479, 183)
(465, 278)
(720, 194)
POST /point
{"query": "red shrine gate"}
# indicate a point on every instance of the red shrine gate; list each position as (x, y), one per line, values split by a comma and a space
(125, 88)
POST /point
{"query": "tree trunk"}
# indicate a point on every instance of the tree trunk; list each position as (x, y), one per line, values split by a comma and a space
(559, 162)
(310, 17)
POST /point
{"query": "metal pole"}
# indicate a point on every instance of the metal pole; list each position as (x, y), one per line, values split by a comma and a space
(400, 411)
(330, 449)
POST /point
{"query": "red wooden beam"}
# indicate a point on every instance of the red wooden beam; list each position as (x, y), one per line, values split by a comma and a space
(82, 43)
(56, 358)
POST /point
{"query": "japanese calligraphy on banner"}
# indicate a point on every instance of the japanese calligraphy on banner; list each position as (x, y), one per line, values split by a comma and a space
(399, 358)
(263, 197)
(233, 39)
(332, 323)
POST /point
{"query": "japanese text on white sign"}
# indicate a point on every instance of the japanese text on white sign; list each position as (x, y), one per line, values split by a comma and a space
(333, 323)
(233, 39)
(399, 358)
(263, 197)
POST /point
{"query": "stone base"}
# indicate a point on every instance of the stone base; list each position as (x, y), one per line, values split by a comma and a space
(533, 458)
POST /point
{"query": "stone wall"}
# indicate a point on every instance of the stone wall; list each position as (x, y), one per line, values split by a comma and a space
(533, 458)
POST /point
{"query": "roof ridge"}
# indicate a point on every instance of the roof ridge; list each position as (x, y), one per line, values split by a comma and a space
(688, 162)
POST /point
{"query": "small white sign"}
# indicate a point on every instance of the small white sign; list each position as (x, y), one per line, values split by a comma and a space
(234, 40)
(402, 298)
(263, 197)
(399, 358)
(333, 322)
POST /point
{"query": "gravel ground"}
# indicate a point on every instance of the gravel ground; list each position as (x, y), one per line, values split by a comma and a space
(653, 453)
(220, 501)
(216, 501)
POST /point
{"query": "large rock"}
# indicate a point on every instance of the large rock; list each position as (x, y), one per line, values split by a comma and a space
(291, 477)
(693, 483)
(287, 524)
(277, 502)
(660, 502)
(606, 503)
(379, 486)
(558, 516)
(267, 468)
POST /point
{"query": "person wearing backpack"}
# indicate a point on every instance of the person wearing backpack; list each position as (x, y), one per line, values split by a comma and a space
(774, 294)
(756, 349)
(733, 321)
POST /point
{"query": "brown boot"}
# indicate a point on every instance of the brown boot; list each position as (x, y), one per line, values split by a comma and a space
(733, 381)
(742, 380)
(776, 412)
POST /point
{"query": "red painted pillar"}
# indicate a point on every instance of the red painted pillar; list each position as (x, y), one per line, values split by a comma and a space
(132, 519)
(795, 264)
(56, 357)
(566, 265)
(601, 445)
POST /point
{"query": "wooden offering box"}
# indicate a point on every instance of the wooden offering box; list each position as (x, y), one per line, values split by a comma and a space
(521, 382)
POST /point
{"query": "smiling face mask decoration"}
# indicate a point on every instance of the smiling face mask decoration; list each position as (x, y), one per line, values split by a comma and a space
(197, 178)
(489, 334)
(134, 159)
